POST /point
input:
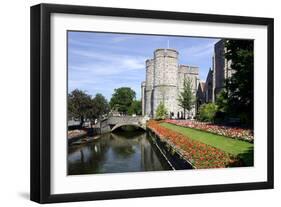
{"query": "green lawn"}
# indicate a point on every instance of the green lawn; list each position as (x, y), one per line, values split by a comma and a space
(239, 148)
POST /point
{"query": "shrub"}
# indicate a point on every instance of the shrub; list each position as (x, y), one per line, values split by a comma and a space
(207, 112)
(161, 111)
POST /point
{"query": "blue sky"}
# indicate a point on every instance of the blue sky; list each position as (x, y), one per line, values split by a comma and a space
(101, 62)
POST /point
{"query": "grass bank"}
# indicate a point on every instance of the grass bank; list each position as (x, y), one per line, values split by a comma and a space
(242, 149)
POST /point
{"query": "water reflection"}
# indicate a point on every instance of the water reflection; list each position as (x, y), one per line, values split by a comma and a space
(114, 153)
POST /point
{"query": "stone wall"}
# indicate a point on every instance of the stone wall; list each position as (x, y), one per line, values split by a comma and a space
(174, 156)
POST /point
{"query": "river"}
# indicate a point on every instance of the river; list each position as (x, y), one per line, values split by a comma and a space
(123, 151)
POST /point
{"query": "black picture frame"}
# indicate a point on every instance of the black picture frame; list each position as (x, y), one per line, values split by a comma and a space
(41, 99)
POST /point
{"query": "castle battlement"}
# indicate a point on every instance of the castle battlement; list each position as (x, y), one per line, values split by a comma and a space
(149, 62)
(188, 69)
(194, 69)
(166, 53)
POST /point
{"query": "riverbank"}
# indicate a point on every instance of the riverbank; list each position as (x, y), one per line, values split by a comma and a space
(76, 135)
(198, 154)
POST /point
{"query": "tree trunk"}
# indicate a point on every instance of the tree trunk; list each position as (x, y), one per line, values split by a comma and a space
(184, 114)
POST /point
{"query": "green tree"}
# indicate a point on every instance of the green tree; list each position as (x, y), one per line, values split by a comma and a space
(240, 87)
(79, 104)
(207, 112)
(99, 107)
(186, 98)
(222, 101)
(161, 111)
(122, 99)
(135, 108)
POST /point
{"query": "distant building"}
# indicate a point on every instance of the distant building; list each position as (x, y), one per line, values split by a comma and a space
(209, 87)
(200, 95)
(221, 68)
(164, 82)
(216, 77)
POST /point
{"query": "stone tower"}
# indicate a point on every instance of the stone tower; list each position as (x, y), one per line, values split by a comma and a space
(165, 79)
(164, 82)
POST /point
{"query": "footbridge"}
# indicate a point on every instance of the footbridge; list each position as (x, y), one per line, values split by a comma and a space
(113, 122)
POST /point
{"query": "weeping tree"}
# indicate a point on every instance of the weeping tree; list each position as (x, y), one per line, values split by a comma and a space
(186, 98)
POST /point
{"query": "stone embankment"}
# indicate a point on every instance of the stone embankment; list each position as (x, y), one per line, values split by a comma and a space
(75, 135)
(173, 155)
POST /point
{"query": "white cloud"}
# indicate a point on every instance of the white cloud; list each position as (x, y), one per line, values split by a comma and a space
(102, 72)
(199, 51)
(107, 63)
(100, 65)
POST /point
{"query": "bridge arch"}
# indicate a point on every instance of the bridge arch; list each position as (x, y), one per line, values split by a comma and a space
(127, 124)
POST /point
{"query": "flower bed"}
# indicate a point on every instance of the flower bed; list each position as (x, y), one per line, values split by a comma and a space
(232, 132)
(198, 154)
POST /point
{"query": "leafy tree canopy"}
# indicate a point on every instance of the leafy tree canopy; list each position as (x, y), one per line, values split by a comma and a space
(83, 106)
(135, 108)
(240, 87)
(122, 99)
(207, 112)
(186, 97)
(99, 107)
(79, 103)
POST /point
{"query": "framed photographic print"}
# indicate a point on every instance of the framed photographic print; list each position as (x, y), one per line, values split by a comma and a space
(133, 103)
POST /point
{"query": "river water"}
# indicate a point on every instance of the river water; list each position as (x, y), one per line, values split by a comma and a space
(123, 151)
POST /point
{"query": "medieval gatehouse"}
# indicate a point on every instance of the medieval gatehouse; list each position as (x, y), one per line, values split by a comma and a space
(165, 78)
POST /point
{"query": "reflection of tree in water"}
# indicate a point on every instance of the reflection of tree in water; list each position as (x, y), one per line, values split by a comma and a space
(124, 147)
(91, 157)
